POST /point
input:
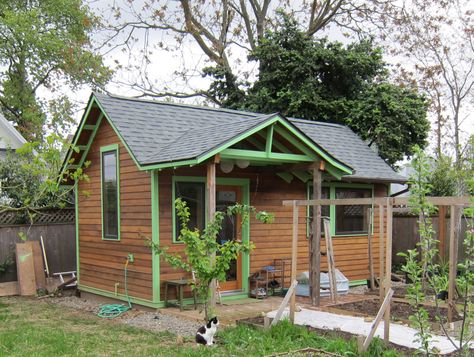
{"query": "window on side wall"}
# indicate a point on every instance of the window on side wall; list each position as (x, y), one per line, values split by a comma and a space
(352, 219)
(110, 194)
(193, 193)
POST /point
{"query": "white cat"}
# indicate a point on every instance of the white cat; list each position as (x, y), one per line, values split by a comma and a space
(205, 334)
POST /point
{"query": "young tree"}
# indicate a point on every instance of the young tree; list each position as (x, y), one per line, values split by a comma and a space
(327, 81)
(204, 256)
(45, 46)
(222, 32)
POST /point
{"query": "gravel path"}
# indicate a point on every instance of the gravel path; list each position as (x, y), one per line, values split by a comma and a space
(152, 321)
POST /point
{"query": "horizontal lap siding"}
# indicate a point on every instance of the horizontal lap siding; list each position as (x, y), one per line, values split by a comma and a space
(272, 240)
(102, 262)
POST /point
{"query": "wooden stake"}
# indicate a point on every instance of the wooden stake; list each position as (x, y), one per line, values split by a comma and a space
(294, 255)
(363, 345)
(330, 260)
(388, 267)
(289, 294)
(442, 231)
(382, 253)
(315, 243)
(211, 211)
(453, 258)
(369, 248)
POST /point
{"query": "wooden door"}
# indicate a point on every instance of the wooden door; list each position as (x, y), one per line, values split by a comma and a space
(231, 230)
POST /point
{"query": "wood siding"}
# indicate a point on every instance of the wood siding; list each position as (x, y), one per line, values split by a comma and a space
(102, 261)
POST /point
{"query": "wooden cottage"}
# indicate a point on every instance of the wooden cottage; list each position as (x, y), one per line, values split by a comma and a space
(145, 154)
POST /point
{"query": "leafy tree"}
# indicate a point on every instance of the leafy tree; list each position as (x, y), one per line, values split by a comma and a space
(208, 259)
(223, 32)
(327, 81)
(434, 42)
(443, 177)
(31, 179)
(45, 46)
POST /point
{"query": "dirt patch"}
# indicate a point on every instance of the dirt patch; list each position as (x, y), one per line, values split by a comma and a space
(398, 310)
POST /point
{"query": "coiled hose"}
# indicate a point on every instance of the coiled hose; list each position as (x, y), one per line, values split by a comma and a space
(111, 311)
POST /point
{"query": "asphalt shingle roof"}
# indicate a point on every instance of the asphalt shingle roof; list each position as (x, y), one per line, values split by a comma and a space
(163, 132)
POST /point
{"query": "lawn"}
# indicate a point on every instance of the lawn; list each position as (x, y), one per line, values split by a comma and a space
(37, 328)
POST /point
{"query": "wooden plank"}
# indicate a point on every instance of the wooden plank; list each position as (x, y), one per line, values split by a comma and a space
(315, 242)
(10, 288)
(294, 254)
(388, 267)
(369, 248)
(330, 261)
(283, 304)
(386, 303)
(398, 201)
(211, 211)
(25, 268)
(381, 253)
(38, 265)
(442, 231)
(453, 258)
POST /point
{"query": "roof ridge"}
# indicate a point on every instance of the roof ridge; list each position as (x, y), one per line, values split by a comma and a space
(316, 122)
(192, 106)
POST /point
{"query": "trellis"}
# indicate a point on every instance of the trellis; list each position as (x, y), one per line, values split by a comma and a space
(385, 207)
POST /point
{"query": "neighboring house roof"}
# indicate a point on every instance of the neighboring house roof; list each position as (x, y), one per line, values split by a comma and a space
(10, 138)
(167, 132)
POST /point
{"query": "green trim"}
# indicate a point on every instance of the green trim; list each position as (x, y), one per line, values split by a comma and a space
(91, 139)
(81, 147)
(117, 132)
(353, 283)
(88, 127)
(304, 149)
(269, 139)
(263, 156)
(277, 144)
(76, 207)
(332, 208)
(223, 181)
(302, 175)
(155, 234)
(122, 297)
(103, 149)
(320, 152)
(286, 176)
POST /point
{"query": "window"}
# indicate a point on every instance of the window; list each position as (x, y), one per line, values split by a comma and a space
(110, 193)
(352, 219)
(193, 193)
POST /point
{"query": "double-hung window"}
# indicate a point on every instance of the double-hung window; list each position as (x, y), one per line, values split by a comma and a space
(194, 194)
(110, 192)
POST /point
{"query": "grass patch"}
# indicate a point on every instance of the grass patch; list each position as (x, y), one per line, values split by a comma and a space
(37, 328)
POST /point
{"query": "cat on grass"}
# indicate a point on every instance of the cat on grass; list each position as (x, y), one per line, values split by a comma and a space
(205, 333)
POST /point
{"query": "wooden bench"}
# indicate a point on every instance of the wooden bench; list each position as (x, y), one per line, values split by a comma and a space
(179, 286)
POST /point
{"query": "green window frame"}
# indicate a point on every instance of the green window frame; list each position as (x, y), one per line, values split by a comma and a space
(333, 187)
(110, 195)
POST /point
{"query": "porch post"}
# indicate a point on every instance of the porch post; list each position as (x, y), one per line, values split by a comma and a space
(211, 210)
(315, 241)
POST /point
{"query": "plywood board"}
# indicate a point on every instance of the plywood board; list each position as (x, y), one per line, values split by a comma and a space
(9, 289)
(39, 265)
(25, 268)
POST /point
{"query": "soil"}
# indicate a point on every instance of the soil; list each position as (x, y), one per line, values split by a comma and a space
(398, 310)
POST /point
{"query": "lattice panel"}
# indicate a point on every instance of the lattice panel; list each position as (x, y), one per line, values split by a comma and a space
(65, 215)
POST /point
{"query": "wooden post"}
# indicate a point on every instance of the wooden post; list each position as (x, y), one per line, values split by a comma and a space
(388, 267)
(315, 243)
(211, 211)
(382, 253)
(453, 258)
(442, 231)
(289, 294)
(369, 248)
(294, 257)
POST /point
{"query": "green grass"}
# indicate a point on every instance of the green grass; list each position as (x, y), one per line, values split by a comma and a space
(36, 328)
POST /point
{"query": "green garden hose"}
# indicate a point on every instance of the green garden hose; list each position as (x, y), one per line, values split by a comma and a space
(111, 311)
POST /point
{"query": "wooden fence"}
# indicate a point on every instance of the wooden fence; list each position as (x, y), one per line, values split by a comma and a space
(59, 240)
(405, 235)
